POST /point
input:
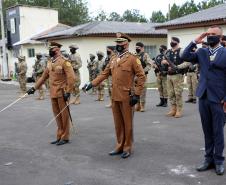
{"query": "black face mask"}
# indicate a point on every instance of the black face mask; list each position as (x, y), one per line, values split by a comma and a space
(161, 50)
(223, 44)
(119, 48)
(173, 44)
(92, 58)
(213, 40)
(73, 51)
(38, 57)
(138, 50)
(100, 57)
(52, 53)
(108, 52)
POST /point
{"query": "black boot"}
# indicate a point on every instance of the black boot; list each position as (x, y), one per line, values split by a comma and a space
(190, 100)
(161, 102)
(194, 100)
(165, 102)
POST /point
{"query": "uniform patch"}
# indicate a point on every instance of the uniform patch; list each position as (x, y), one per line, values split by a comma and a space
(68, 64)
(138, 62)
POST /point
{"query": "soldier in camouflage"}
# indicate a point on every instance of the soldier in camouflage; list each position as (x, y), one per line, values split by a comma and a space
(146, 63)
(174, 78)
(76, 63)
(38, 69)
(22, 70)
(161, 71)
(98, 68)
(91, 69)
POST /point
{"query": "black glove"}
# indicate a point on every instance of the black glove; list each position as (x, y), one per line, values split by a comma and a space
(134, 100)
(87, 87)
(66, 96)
(31, 91)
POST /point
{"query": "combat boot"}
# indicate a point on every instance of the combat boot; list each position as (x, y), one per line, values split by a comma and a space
(194, 100)
(165, 102)
(98, 98)
(101, 97)
(137, 107)
(77, 101)
(172, 111)
(142, 105)
(190, 100)
(178, 113)
(161, 103)
(41, 98)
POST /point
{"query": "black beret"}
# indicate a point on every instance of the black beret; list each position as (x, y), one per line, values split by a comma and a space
(140, 44)
(175, 39)
(163, 47)
(111, 48)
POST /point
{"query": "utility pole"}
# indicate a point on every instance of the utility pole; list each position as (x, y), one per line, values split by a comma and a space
(169, 13)
(5, 67)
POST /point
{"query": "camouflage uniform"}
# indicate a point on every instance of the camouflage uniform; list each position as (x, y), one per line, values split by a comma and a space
(76, 63)
(92, 70)
(22, 70)
(38, 70)
(98, 66)
(175, 83)
(161, 79)
(146, 64)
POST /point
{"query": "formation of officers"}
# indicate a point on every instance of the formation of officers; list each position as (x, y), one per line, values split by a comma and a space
(125, 75)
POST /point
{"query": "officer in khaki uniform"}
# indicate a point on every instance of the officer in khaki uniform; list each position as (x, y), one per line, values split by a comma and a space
(76, 63)
(61, 80)
(146, 63)
(124, 68)
(22, 70)
(38, 71)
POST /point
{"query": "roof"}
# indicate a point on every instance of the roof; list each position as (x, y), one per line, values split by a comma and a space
(30, 6)
(208, 15)
(30, 40)
(107, 28)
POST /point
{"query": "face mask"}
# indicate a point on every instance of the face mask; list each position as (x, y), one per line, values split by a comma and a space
(173, 44)
(38, 57)
(213, 40)
(99, 57)
(119, 48)
(223, 44)
(92, 58)
(72, 51)
(138, 50)
(161, 50)
(108, 52)
(52, 53)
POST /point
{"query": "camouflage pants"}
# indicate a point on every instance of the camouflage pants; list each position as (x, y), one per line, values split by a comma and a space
(109, 85)
(175, 90)
(22, 82)
(162, 86)
(100, 89)
(76, 90)
(40, 90)
(143, 93)
(192, 82)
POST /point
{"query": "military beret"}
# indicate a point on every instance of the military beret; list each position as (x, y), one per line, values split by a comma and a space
(140, 44)
(21, 57)
(38, 54)
(100, 53)
(91, 55)
(54, 45)
(175, 39)
(111, 47)
(121, 37)
(163, 47)
(73, 46)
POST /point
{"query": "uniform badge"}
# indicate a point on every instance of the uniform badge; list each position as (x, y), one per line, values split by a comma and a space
(138, 61)
(212, 57)
(68, 64)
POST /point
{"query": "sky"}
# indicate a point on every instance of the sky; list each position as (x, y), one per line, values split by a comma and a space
(146, 7)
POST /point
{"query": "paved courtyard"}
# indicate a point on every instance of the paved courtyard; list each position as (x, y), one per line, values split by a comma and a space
(166, 150)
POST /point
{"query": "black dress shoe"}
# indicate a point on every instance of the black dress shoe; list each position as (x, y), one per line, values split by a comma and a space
(62, 142)
(219, 169)
(55, 142)
(125, 155)
(205, 166)
(112, 153)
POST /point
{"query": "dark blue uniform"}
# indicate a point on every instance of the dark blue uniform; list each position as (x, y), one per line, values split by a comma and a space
(211, 91)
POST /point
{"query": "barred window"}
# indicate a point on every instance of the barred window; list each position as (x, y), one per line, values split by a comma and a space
(31, 52)
(151, 50)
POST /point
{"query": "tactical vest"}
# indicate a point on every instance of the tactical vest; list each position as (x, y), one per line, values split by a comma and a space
(174, 56)
(141, 57)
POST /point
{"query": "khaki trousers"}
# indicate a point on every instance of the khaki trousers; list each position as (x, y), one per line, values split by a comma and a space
(63, 120)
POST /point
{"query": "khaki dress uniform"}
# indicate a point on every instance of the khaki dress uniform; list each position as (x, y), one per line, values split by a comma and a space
(22, 70)
(61, 79)
(123, 70)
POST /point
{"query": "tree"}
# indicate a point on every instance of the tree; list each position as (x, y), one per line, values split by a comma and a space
(133, 16)
(157, 16)
(114, 16)
(188, 8)
(102, 16)
(208, 4)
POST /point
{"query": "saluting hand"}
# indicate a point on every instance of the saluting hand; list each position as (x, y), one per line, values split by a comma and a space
(200, 38)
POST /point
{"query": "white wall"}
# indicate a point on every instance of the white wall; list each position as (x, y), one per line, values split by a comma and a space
(34, 20)
(188, 34)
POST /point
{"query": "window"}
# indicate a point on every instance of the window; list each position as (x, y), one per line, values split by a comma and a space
(151, 50)
(13, 25)
(31, 52)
